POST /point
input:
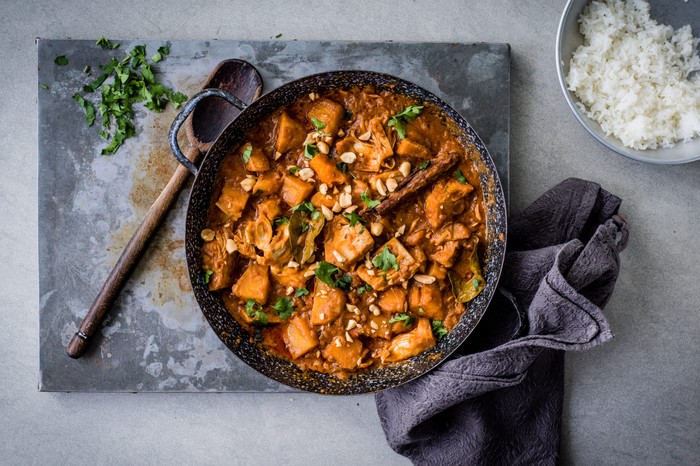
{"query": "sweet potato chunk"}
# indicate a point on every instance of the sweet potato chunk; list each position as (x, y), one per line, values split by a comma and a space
(329, 303)
(294, 190)
(445, 201)
(393, 300)
(319, 199)
(345, 354)
(269, 208)
(216, 259)
(290, 133)
(409, 148)
(232, 200)
(326, 171)
(299, 337)
(426, 301)
(253, 284)
(329, 112)
(445, 254)
(411, 343)
(267, 183)
(346, 243)
(258, 161)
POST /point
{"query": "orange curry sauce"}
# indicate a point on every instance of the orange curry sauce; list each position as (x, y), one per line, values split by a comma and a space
(301, 260)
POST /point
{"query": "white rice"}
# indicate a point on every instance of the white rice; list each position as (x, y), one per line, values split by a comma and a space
(631, 75)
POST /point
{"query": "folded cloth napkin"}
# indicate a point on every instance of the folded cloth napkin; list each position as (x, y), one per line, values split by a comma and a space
(498, 398)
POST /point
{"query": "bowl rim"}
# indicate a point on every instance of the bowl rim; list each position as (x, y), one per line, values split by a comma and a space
(583, 119)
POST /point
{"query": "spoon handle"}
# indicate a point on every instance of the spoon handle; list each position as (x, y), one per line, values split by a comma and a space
(129, 258)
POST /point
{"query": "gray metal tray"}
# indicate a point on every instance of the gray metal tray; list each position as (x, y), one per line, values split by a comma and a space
(155, 338)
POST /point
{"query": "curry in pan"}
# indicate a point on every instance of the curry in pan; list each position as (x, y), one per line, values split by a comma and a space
(346, 231)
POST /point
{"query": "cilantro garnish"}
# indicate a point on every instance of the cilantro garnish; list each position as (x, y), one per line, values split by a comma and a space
(424, 165)
(134, 81)
(278, 36)
(251, 306)
(245, 155)
(303, 207)
(87, 107)
(160, 54)
(460, 177)
(369, 202)
(106, 44)
(43, 86)
(342, 167)
(363, 289)
(405, 318)
(475, 283)
(301, 292)
(329, 274)
(318, 124)
(399, 120)
(283, 307)
(385, 260)
(439, 329)
(293, 170)
(353, 218)
(280, 221)
(207, 276)
(61, 60)
(310, 151)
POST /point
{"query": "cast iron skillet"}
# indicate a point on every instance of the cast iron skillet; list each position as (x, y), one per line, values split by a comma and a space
(236, 337)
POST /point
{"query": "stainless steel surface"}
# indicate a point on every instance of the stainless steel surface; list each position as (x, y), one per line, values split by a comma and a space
(673, 12)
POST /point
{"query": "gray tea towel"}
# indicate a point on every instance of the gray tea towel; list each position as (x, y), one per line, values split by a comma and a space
(498, 399)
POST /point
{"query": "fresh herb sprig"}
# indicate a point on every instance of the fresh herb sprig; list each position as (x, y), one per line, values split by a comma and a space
(385, 260)
(405, 318)
(399, 120)
(331, 276)
(122, 84)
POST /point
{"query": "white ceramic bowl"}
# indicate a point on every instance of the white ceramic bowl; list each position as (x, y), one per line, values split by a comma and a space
(673, 12)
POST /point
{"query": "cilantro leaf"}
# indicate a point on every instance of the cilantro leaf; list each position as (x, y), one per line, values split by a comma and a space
(369, 202)
(278, 36)
(328, 274)
(207, 276)
(283, 307)
(460, 177)
(280, 221)
(259, 317)
(251, 306)
(324, 272)
(439, 329)
(61, 60)
(293, 170)
(87, 106)
(424, 165)
(310, 151)
(160, 54)
(405, 318)
(301, 292)
(106, 44)
(245, 155)
(318, 124)
(303, 207)
(87, 70)
(342, 167)
(353, 218)
(385, 260)
(363, 289)
(43, 86)
(399, 120)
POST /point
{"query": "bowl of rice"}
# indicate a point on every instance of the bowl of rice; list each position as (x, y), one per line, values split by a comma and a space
(631, 74)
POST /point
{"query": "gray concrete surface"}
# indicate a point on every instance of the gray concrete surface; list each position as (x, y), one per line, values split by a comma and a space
(634, 401)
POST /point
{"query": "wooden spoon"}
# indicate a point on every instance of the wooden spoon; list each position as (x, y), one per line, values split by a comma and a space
(206, 122)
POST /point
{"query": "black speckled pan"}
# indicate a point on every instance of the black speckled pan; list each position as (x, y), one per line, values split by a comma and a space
(236, 337)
